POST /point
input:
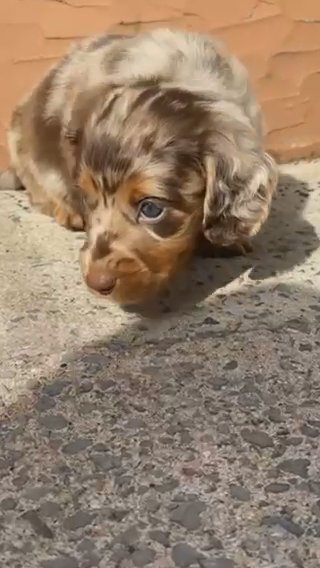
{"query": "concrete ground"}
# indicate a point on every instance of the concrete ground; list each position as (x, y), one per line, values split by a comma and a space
(188, 438)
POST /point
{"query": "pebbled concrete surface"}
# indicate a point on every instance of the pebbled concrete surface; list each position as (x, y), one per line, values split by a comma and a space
(188, 438)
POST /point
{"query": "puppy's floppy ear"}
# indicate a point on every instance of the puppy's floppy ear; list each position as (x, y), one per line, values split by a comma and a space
(240, 181)
(72, 135)
(81, 106)
(71, 141)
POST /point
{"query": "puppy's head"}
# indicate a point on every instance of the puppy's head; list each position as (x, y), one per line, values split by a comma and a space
(138, 176)
(154, 168)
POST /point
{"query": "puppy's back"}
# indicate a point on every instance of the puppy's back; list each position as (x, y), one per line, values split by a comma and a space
(187, 60)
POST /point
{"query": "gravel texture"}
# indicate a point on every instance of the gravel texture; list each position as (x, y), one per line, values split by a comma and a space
(184, 436)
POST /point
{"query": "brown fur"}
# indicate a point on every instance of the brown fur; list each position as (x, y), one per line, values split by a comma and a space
(165, 116)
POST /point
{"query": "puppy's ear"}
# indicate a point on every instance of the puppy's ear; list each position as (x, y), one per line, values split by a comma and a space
(81, 106)
(72, 135)
(240, 182)
(71, 141)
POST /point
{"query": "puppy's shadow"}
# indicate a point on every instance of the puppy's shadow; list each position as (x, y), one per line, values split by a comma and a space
(288, 238)
(286, 241)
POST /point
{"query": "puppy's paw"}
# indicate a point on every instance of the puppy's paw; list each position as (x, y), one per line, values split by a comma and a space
(209, 250)
(240, 248)
(9, 181)
(69, 219)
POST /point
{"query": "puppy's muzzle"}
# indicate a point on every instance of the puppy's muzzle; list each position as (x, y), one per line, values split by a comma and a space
(100, 281)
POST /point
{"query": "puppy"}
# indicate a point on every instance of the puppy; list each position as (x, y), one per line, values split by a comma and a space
(150, 144)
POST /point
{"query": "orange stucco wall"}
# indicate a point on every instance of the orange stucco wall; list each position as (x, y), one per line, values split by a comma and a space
(279, 41)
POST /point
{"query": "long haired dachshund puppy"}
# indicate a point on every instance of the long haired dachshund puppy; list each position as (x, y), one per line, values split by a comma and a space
(150, 144)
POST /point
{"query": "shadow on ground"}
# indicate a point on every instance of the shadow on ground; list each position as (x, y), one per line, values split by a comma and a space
(195, 446)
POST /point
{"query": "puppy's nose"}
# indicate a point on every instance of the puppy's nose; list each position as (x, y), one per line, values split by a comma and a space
(100, 281)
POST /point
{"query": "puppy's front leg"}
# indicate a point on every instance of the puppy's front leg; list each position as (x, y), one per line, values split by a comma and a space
(206, 249)
(9, 181)
(68, 218)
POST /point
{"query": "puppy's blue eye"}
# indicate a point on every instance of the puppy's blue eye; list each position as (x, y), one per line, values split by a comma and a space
(151, 210)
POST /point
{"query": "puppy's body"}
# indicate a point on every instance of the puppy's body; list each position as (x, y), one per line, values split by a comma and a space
(164, 116)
